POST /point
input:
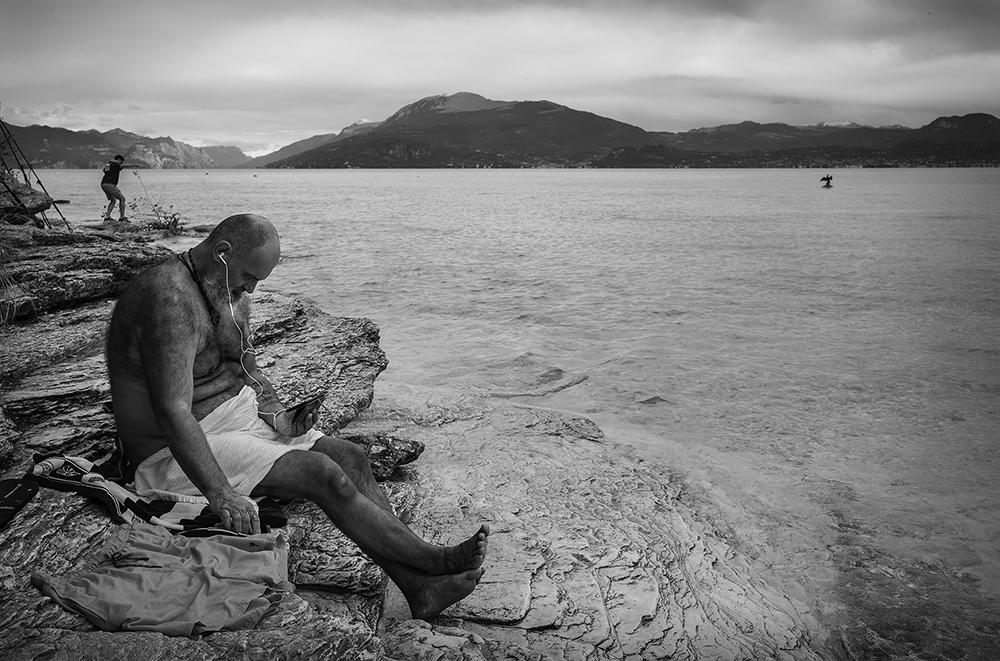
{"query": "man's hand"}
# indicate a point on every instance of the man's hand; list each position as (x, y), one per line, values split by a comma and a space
(238, 513)
(290, 425)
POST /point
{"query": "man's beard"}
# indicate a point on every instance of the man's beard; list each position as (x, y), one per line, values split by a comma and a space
(220, 296)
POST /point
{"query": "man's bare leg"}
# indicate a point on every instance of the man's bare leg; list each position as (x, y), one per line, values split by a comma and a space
(425, 573)
(353, 460)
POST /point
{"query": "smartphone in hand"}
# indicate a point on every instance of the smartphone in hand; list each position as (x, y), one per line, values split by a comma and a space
(306, 406)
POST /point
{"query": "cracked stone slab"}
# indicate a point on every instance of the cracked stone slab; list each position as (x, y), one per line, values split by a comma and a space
(502, 597)
(611, 561)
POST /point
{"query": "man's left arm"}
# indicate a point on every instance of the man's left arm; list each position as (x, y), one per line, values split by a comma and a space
(269, 406)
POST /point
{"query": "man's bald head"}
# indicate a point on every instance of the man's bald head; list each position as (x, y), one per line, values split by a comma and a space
(241, 251)
(245, 232)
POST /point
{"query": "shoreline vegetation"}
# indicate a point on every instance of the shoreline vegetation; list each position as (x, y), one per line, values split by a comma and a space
(595, 553)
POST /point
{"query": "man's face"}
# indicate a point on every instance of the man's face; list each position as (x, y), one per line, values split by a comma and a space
(245, 273)
(241, 274)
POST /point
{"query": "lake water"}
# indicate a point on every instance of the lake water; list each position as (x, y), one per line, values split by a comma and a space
(813, 360)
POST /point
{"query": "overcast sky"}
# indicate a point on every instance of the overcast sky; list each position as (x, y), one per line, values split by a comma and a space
(261, 75)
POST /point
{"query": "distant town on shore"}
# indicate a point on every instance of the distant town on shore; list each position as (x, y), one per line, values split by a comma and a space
(466, 130)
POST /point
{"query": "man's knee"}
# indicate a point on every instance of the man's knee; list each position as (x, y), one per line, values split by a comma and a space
(351, 457)
(309, 475)
(356, 458)
(331, 480)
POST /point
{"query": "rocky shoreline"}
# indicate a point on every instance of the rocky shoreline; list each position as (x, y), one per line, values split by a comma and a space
(594, 553)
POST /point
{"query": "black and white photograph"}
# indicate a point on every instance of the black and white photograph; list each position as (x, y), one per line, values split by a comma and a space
(569, 330)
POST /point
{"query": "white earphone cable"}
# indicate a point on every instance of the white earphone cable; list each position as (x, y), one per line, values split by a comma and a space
(245, 344)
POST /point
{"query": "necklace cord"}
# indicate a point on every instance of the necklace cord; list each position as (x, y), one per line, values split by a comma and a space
(193, 270)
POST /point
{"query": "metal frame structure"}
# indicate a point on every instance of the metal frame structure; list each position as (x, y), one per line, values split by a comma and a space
(20, 162)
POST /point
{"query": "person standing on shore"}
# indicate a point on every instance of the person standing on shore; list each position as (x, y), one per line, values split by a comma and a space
(109, 184)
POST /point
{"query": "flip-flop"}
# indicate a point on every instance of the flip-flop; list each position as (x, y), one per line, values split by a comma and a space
(14, 494)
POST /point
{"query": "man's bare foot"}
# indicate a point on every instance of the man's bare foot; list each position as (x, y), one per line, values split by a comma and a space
(470, 554)
(429, 595)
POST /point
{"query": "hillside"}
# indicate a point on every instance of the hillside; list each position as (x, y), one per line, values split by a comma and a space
(225, 156)
(52, 147)
(291, 150)
(968, 141)
(468, 130)
(296, 148)
(751, 136)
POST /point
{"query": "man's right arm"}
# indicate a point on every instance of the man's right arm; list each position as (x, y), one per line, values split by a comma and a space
(168, 345)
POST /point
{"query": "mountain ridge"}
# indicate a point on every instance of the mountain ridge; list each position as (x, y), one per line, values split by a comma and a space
(468, 130)
(54, 147)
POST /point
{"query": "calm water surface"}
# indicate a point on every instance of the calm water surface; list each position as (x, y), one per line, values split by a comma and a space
(802, 353)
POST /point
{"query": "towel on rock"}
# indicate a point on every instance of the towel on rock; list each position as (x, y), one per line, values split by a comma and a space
(82, 476)
(245, 446)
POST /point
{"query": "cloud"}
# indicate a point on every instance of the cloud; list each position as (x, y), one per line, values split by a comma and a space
(268, 72)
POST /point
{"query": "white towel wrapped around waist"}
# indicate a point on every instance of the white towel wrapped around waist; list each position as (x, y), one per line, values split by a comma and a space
(245, 446)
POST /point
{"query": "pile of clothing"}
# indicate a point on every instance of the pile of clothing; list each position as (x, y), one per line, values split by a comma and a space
(169, 566)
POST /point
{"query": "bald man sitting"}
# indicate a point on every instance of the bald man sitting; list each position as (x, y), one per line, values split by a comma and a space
(198, 417)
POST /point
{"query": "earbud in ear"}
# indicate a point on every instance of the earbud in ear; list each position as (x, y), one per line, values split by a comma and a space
(222, 256)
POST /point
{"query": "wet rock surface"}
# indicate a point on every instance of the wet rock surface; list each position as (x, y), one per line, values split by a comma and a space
(46, 270)
(61, 407)
(20, 198)
(594, 554)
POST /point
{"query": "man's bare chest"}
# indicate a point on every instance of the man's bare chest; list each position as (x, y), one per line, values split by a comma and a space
(222, 348)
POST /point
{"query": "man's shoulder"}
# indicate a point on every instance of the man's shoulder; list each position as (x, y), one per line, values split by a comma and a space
(160, 306)
(164, 283)
(168, 267)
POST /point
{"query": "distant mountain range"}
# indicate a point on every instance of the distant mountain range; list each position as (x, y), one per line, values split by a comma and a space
(466, 130)
(48, 147)
(310, 143)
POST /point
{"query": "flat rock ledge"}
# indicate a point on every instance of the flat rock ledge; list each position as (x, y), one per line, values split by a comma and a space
(594, 554)
(45, 270)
